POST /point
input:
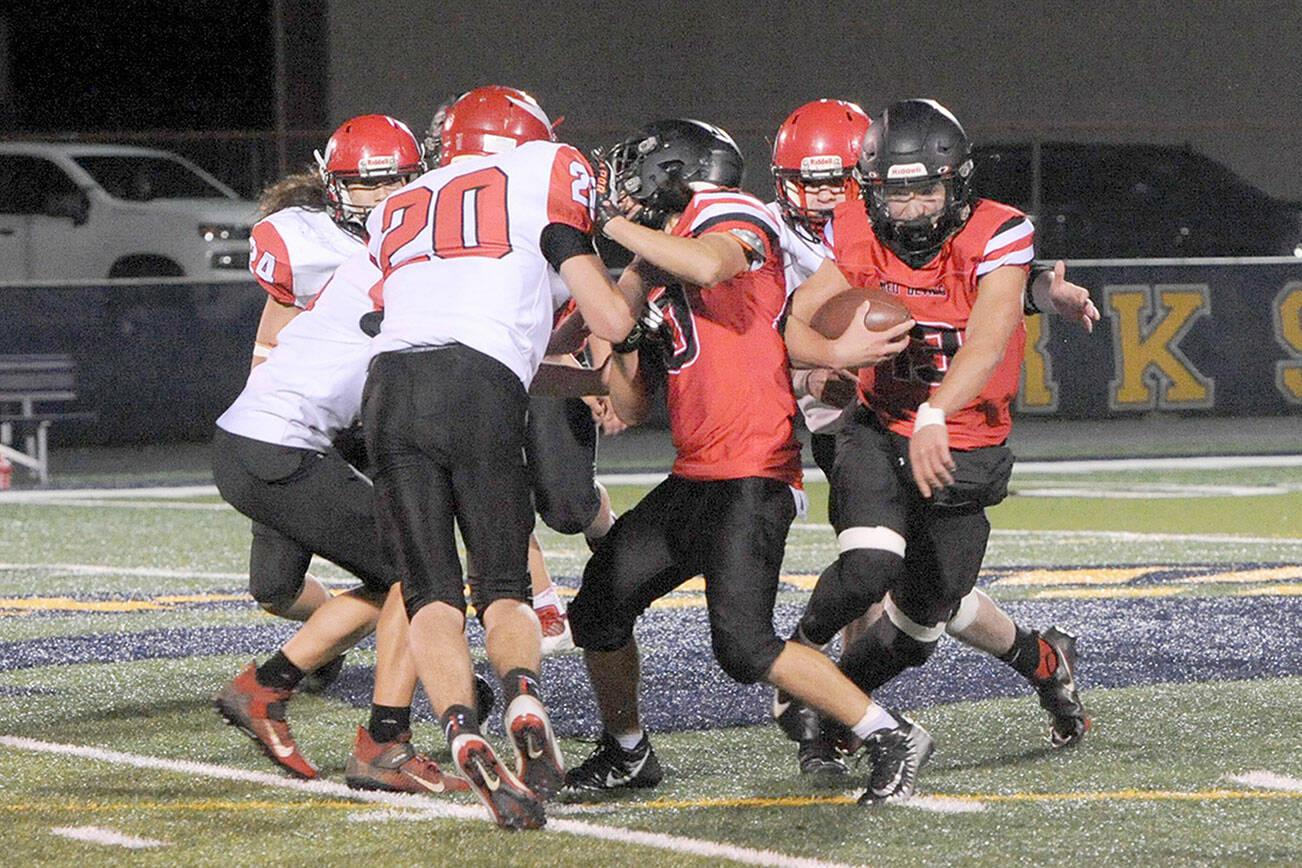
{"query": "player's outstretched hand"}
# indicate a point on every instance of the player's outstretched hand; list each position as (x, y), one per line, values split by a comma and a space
(1071, 301)
(933, 466)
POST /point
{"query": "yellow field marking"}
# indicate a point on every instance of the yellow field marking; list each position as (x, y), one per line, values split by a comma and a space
(201, 598)
(1273, 590)
(1126, 795)
(1089, 576)
(197, 805)
(69, 604)
(1107, 593)
(1266, 574)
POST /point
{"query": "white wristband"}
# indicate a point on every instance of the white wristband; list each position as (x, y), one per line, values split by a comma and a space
(261, 351)
(928, 415)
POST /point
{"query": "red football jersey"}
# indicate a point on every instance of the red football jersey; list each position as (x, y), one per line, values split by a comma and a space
(730, 404)
(940, 296)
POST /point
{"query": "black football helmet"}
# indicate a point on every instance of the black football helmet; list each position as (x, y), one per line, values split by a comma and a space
(666, 161)
(916, 143)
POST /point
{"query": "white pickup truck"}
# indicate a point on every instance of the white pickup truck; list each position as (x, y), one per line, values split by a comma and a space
(86, 212)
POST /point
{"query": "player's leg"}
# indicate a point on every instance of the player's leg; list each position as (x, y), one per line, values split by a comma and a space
(416, 409)
(496, 520)
(547, 603)
(311, 495)
(745, 548)
(383, 757)
(1045, 658)
(636, 564)
(868, 510)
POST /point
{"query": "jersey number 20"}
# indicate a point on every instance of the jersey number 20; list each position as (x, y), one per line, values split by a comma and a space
(469, 218)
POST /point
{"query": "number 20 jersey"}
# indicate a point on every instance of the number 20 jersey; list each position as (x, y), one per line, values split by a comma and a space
(939, 296)
(459, 249)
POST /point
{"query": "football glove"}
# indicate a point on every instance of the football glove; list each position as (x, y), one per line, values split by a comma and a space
(603, 201)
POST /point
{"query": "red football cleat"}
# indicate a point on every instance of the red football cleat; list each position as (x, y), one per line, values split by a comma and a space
(395, 766)
(260, 712)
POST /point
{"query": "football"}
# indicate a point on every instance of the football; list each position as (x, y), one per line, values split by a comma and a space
(832, 319)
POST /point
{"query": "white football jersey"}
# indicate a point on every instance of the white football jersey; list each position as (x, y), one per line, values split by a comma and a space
(310, 387)
(459, 249)
(293, 252)
(801, 257)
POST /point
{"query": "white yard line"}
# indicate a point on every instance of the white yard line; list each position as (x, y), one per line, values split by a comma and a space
(1268, 781)
(432, 807)
(136, 496)
(105, 570)
(107, 837)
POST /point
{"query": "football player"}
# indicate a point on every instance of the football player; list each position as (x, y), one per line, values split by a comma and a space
(312, 222)
(922, 454)
(274, 460)
(710, 253)
(560, 440)
(815, 154)
(469, 252)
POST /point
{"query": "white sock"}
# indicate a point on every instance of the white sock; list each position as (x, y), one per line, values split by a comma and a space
(548, 597)
(630, 740)
(874, 719)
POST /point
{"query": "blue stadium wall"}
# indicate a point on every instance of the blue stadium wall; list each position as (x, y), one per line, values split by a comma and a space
(160, 360)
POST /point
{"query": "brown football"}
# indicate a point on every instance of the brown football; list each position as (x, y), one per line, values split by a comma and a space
(832, 319)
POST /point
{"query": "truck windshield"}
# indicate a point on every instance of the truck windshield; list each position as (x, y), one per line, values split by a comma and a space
(140, 179)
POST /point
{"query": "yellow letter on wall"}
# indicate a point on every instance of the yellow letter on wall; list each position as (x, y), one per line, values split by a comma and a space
(1287, 315)
(1148, 323)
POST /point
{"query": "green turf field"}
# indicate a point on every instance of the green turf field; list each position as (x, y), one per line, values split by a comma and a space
(1202, 767)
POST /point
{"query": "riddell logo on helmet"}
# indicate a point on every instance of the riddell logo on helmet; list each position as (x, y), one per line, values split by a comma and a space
(382, 165)
(821, 163)
(906, 171)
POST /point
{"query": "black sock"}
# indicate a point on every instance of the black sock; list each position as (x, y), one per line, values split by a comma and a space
(279, 672)
(1024, 656)
(388, 722)
(458, 719)
(519, 681)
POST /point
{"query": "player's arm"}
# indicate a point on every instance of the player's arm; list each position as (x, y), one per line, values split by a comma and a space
(275, 316)
(1051, 291)
(856, 348)
(629, 394)
(995, 315)
(703, 260)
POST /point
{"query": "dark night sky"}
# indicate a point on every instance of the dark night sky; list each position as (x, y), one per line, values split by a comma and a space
(141, 65)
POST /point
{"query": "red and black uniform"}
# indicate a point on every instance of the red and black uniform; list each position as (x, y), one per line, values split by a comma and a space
(874, 500)
(726, 507)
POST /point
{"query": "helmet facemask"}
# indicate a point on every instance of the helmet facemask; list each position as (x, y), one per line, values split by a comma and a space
(797, 191)
(348, 214)
(917, 240)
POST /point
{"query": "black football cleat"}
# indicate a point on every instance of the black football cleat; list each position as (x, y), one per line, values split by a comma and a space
(897, 755)
(1058, 694)
(611, 767)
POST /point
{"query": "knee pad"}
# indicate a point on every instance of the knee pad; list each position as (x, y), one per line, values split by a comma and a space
(746, 660)
(966, 612)
(913, 642)
(276, 571)
(845, 590)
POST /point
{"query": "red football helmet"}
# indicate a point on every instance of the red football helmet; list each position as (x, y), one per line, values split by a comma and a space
(371, 150)
(817, 145)
(489, 120)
